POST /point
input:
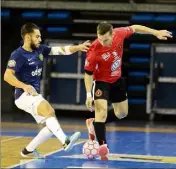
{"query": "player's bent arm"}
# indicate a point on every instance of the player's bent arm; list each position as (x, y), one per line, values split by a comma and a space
(9, 77)
(88, 80)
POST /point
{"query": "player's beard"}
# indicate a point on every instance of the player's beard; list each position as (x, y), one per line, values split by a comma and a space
(33, 46)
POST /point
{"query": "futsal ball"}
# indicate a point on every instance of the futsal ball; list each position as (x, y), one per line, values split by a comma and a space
(90, 149)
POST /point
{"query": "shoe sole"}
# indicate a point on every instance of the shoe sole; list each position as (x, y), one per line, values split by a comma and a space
(91, 136)
(75, 138)
(26, 156)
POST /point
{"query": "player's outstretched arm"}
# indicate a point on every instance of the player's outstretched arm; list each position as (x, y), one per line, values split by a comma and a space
(67, 50)
(9, 77)
(160, 34)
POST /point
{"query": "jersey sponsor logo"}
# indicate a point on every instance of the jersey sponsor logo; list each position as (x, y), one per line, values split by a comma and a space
(11, 63)
(115, 65)
(41, 57)
(98, 93)
(106, 56)
(31, 63)
(37, 72)
(115, 73)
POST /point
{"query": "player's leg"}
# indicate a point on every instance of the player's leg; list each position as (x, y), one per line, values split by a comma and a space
(44, 109)
(30, 149)
(100, 128)
(33, 104)
(118, 97)
(100, 95)
(121, 109)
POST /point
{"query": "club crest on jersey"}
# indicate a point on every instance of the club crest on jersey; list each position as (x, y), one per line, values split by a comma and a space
(98, 93)
(11, 63)
(41, 57)
(106, 56)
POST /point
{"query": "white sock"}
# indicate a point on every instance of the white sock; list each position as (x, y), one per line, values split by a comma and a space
(42, 136)
(53, 124)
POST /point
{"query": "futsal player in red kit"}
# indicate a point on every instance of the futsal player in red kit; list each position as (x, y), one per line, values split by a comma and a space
(103, 80)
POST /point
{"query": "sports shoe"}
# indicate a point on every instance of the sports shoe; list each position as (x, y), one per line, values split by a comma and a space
(103, 152)
(34, 154)
(70, 141)
(90, 127)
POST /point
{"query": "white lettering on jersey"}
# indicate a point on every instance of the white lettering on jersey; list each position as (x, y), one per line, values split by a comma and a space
(106, 56)
(37, 72)
(31, 63)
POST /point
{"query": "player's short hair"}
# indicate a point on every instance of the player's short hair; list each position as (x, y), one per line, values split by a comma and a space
(28, 28)
(104, 27)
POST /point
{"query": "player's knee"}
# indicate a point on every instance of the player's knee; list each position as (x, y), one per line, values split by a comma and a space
(121, 115)
(50, 113)
(46, 110)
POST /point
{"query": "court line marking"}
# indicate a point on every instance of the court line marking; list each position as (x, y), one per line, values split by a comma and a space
(109, 128)
(13, 138)
(132, 157)
(48, 154)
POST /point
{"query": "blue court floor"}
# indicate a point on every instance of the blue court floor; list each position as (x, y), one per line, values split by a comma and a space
(130, 147)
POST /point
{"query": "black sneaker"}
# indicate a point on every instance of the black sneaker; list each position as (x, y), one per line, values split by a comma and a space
(34, 154)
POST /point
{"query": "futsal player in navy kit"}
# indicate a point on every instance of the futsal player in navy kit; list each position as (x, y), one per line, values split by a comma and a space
(23, 71)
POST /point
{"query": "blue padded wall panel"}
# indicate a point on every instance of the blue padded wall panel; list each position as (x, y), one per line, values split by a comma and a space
(63, 91)
(66, 64)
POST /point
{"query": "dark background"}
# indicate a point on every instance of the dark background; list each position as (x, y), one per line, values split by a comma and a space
(80, 25)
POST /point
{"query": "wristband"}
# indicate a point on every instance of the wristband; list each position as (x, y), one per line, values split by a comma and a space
(89, 94)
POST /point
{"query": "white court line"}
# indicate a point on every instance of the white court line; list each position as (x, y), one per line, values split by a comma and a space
(16, 165)
(13, 138)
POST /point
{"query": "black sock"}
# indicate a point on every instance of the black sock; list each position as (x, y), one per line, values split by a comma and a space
(24, 151)
(100, 132)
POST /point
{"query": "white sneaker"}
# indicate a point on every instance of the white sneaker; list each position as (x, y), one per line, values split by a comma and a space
(70, 141)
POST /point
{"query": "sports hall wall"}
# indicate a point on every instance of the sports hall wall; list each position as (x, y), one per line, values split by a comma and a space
(63, 83)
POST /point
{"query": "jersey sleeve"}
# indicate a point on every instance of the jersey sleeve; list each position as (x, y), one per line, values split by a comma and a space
(46, 50)
(15, 62)
(125, 32)
(90, 61)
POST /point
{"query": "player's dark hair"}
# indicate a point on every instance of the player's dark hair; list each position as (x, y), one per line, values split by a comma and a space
(28, 28)
(104, 27)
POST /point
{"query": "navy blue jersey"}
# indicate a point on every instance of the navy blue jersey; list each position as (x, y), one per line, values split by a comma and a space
(28, 66)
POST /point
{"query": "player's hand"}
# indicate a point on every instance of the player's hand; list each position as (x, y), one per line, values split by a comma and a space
(30, 90)
(163, 34)
(89, 103)
(84, 46)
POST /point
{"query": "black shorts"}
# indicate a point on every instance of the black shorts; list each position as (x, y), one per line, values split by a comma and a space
(114, 92)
